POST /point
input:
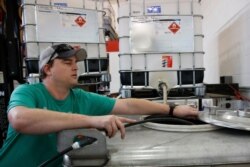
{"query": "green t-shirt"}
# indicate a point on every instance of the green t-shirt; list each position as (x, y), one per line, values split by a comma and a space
(24, 150)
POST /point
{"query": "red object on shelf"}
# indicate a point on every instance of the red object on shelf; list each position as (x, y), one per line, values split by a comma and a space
(112, 46)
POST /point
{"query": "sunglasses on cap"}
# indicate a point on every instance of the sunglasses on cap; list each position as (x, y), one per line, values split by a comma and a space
(60, 49)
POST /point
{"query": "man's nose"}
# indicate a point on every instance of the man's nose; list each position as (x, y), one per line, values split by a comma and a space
(75, 66)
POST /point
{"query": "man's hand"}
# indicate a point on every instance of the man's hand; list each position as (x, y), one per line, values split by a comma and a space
(185, 111)
(111, 124)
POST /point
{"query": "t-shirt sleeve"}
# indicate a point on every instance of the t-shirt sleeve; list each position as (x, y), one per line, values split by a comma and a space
(22, 96)
(95, 104)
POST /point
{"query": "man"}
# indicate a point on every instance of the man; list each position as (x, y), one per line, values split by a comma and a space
(37, 111)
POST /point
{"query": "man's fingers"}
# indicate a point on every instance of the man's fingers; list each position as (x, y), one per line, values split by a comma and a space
(115, 123)
(194, 112)
(121, 128)
(127, 120)
(114, 128)
(109, 130)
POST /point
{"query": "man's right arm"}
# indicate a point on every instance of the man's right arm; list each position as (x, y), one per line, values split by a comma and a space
(41, 121)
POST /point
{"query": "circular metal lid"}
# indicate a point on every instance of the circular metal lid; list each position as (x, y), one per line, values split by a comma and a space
(236, 119)
(182, 125)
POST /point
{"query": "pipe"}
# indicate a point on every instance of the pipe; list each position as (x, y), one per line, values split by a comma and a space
(164, 87)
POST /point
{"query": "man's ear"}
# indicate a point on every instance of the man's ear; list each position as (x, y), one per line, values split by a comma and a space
(46, 69)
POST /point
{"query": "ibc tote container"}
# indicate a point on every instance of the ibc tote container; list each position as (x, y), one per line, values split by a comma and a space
(140, 51)
(38, 34)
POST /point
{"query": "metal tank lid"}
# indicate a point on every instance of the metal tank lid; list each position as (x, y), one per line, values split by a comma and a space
(235, 119)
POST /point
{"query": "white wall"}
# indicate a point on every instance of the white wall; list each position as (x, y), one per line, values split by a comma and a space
(226, 44)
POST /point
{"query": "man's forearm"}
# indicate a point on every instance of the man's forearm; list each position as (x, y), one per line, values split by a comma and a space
(145, 107)
(140, 107)
(40, 121)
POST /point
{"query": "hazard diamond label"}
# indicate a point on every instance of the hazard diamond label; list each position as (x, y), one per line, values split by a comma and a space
(80, 21)
(174, 27)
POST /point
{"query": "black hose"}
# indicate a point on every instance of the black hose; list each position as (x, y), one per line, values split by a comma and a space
(161, 120)
(57, 156)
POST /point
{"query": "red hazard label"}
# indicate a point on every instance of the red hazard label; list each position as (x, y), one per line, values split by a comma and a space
(167, 61)
(174, 27)
(80, 21)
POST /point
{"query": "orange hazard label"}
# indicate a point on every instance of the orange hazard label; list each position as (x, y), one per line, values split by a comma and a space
(174, 27)
(80, 21)
(167, 61)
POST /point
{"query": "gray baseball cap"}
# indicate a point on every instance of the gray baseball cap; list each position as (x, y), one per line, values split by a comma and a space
(60, 51)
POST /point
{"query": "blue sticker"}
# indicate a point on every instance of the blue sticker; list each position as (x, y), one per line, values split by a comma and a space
(154, 9)
(61, 4)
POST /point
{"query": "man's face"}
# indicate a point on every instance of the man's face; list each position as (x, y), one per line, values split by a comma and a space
(64, 71)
